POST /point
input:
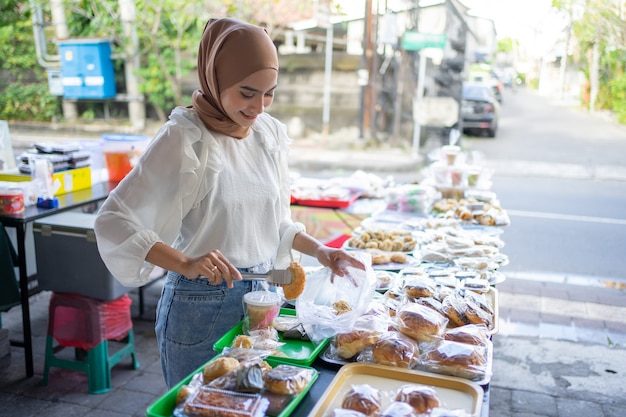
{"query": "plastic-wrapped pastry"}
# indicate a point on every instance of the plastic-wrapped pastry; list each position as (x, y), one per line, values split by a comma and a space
(416, 287)
(398, 409)
(473, 334)
(212, 402)
(421, 397)
(287, 379)
(431, 302)
(363, 398)
(218, 367)
(454, 307)
(480, 300)
(250, 379)
(420, 322)
(456, 359)
(395, 349)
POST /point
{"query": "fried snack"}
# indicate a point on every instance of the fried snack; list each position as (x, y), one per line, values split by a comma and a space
(243, 341)
(399, 258)
(395, 349)
(341, 307)
(420, 397)
(287, 379)
(420, 322)
(219, 367)
(363, 398)
(380, 258)
(298, 279)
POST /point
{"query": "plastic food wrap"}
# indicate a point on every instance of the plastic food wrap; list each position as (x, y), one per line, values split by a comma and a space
(456, 359)
(363, 398)
(218, 403)
(420, 322)
(287, 379)
(421, 397)
(395, 349)
(315, 307)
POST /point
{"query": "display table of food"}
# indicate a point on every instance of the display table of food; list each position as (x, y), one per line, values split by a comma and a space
(410, 335)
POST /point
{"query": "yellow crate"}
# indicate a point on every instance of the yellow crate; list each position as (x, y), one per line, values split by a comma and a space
(63, 182)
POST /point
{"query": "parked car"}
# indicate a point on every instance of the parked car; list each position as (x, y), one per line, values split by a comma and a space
(480, 109)
(492, 79)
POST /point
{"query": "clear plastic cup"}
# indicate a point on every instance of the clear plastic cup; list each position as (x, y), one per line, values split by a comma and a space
(261, 308)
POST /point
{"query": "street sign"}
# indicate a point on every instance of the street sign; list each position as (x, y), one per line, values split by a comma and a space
(414, 41)
(436, 111)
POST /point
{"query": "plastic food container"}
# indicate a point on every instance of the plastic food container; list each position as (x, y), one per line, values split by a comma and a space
(121, 153)
(11, 201)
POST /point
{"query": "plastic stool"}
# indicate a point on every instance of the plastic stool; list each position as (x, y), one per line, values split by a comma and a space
(88, 325)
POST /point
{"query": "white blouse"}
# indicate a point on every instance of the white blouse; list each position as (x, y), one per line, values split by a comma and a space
(197, 190)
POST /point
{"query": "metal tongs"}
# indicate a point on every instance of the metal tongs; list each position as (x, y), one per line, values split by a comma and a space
(273, 277)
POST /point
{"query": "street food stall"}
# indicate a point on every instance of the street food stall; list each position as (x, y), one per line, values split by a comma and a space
(410, 335)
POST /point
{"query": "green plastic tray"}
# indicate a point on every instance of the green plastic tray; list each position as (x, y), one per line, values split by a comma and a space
(298, 352)
(164, 406)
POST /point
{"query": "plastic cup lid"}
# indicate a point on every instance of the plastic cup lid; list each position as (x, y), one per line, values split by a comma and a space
(261, 298)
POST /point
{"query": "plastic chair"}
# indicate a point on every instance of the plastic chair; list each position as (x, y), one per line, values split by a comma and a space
(9, 290)
(88, 325)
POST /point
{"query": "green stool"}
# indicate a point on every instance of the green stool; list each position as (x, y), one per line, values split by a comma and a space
(87, 325)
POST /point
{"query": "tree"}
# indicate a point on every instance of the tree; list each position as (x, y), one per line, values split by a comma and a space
(601, 36)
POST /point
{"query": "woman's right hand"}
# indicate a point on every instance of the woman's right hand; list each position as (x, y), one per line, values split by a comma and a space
(215, 267)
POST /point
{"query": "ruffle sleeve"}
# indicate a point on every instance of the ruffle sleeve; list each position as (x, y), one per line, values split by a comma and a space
(148, 206)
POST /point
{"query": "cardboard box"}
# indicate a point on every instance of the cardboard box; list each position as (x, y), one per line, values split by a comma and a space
(68, 259)
(63, 181)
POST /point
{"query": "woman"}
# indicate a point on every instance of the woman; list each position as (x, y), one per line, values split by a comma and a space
(209, 199)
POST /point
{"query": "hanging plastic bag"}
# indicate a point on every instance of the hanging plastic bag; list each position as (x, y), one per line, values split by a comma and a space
(327, 308)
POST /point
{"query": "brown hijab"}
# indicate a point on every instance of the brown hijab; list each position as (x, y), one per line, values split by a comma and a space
(230, 50)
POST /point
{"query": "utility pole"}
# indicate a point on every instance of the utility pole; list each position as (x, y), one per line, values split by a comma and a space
(368, 99)
(70, 108)
(136, 109)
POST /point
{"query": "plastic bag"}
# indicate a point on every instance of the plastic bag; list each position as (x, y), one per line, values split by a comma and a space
(316, 306)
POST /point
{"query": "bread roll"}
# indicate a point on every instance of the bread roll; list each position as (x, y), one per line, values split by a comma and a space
(395, 349)
(287, 379)
(422, 398)
(420, 322)
(363, 398)
(219, 367)
(473, 334)
(349, 344)
(456, 359)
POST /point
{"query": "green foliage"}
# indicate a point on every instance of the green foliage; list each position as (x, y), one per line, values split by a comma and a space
(29, 102)
(24, 88)
(505, 45)
(617, 92)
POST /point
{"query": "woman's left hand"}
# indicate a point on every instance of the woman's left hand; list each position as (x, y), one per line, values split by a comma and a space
(338, 260)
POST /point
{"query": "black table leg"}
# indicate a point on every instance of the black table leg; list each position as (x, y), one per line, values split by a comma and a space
(24, 295)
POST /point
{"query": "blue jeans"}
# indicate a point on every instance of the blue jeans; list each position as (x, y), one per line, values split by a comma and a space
(191, 316)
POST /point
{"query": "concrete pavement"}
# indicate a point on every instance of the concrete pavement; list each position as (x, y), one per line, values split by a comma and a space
(560, 350)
